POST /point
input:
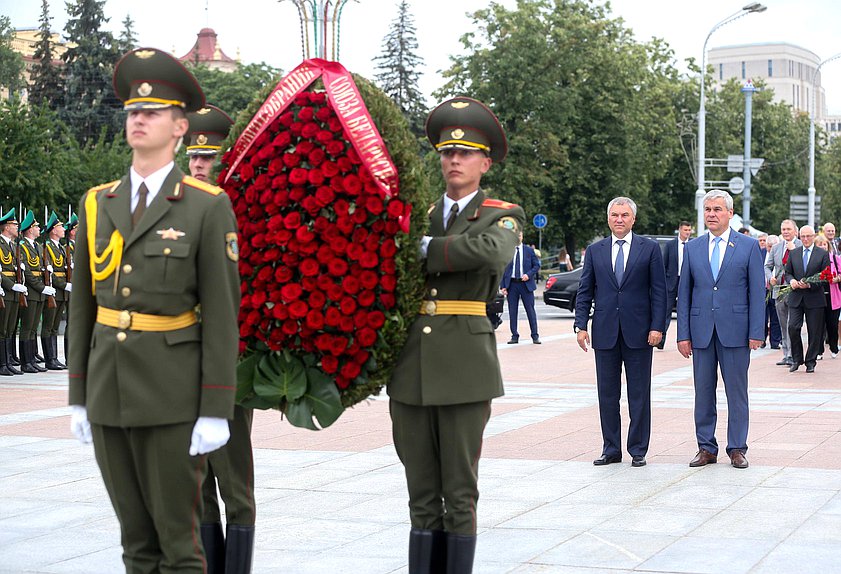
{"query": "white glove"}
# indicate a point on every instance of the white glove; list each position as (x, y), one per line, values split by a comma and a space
(79, 425)
(209, 434)
(68, 287)
(2, 291)
(19, 288)
(424, 244)
(49, 268)
(49, 291)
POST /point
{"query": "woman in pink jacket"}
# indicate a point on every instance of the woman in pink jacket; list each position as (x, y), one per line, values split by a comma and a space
(832, 292)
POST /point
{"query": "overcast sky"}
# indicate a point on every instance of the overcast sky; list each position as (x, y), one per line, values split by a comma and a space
(267, 30)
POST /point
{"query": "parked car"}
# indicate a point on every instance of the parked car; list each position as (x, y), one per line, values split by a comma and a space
(561, 288)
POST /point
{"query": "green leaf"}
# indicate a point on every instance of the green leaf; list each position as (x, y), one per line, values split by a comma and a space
(280, 376)
(299, 414)
(245, 376)
(324, 396)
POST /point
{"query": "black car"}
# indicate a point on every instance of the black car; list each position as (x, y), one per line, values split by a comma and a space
(561, 288)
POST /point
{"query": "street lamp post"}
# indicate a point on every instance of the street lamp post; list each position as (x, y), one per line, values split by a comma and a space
(702, 110)
(811, 192)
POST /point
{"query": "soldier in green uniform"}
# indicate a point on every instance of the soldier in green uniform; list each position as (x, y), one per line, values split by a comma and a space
(69, 248)
(56, 260)
(448, 372)
(10, 290)
(151, 383)
(232, 466)
(37, 293)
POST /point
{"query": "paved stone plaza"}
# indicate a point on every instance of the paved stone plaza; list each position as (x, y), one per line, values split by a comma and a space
(334, 501)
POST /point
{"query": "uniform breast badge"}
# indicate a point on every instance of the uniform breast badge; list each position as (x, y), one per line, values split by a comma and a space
(170, 234)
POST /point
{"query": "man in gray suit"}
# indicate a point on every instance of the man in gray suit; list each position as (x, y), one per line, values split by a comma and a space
(775, 263)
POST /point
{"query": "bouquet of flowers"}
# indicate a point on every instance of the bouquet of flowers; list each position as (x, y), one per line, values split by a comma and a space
(329, 262)
(825, 276)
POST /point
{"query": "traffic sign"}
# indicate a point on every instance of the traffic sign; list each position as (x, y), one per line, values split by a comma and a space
(736, 185)
(539, 221)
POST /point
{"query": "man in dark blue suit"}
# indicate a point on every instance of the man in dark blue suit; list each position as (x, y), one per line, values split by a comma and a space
(720, 320)
(518, 284)
(672, 261)
(624, 276)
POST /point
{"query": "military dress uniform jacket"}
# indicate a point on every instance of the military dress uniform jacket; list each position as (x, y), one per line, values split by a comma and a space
(451, 359)
(9, 269)
(54, 256)
(33, 272)
(182, 253)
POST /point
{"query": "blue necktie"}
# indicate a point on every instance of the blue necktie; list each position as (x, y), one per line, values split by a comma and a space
(517, 271)
(715, 260)
(619, 266)
(805, 260)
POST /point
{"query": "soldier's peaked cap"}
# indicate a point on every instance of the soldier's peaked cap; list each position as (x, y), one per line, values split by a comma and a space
(209, 127)
(72, 222)
(51, 222)
(466, 123)
(8, 217)
(28, 221)
(148, 78)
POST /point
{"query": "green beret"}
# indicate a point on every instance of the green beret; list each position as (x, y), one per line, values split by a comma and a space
(466, 123)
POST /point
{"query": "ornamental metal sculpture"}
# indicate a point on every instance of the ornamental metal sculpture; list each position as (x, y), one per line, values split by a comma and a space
(322, 17)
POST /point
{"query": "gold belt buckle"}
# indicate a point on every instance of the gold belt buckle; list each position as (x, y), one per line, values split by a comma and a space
(124, 322)
(429, 307)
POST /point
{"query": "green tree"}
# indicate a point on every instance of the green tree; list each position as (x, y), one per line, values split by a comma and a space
(128, 39)
(589, 111)
(90, 103)
(398, 67)
(46, 83)
(11, 63)
(233, 91)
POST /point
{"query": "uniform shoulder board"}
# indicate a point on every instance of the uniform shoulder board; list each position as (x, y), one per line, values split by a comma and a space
(109, 186)
(199, 184)
(498, 203)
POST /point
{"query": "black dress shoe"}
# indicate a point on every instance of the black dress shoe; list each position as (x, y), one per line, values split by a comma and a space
(513, 341)
(793, 367)
(810, 369)
(763, 345)
(775, 345)
(661, 345)
(605, 459)
(536, 341)
(638, 460)
(786, 362)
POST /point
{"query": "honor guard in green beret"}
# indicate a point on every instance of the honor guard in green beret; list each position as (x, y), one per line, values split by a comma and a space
(69, 248)
(448, 371)
(37, 292)
(230, 468)
(152, 380)
(10, 290)
(55, 273)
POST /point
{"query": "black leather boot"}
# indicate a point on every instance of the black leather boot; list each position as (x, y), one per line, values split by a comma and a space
(26, 361)
(51, 363)
(54, 343)
(460, 551)
(239, 549)
(33, 362)
(38, 357)
(214, 547)
(427, 551)
(4, 369)
(13, 360)
(10, 356)
(66, 353)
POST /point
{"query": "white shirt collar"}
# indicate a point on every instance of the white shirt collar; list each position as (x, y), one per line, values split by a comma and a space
(626, 239)
(462, 204)
(725, 237)
(154, 181)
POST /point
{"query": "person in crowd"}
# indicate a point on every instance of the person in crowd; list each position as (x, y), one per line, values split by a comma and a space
(672, 261)
(772, 324)
(518, 284)
(828, 231)
(624, 281)
(721, 312)
(448, 371)
(152, 383)
(744, 231)
(806, 300)
(832, 295)
(564, 261)
(775, 262)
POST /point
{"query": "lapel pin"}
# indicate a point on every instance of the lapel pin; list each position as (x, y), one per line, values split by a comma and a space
(730, 244)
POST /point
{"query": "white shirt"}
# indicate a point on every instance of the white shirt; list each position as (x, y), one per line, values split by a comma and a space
(614, 249)
(153, 181)
(462, 204)
(681, 245)
(722, 246)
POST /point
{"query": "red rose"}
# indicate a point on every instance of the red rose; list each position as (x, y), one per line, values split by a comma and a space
(324, 196)
(392, 227)
(262, 183)
(346, 325)
(388, 248)
(388, 266)
(317, 299)
(335, 292)
(388, 282)
(369, 261)
(298, 309)
(292, 220)
(309, 267)
(291, 292)
(290, 327)
(342, 382)
(296, 129)
(316, 177)
(310, 204)
(315, 320)
(304, 147)
(291, 159)
(368, 279)
(310, 130)
(387, 300)
(329, 364)
(376, 319)
(335, 125)
(246, 172)
(324, 114)
(366, 298)
(286, 119)
(317, 97)
(366, 337)
(373, 242)
(281, 196)
(351, 285)
(308, 283)
(353, 156)
(347, 306)
(302, 99)
(305, 114)
(316, 157)
(355, 251)
(352, 185)
(374, 205)
(282, 140)
(264, 274)
(350, 370)
(395, 208)
(343, 163)
(337, 345)
(345, 225)
(341, 207)
(322, 342)
(332, 317)
(337, 268)
(298, 176)
(296, 194)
